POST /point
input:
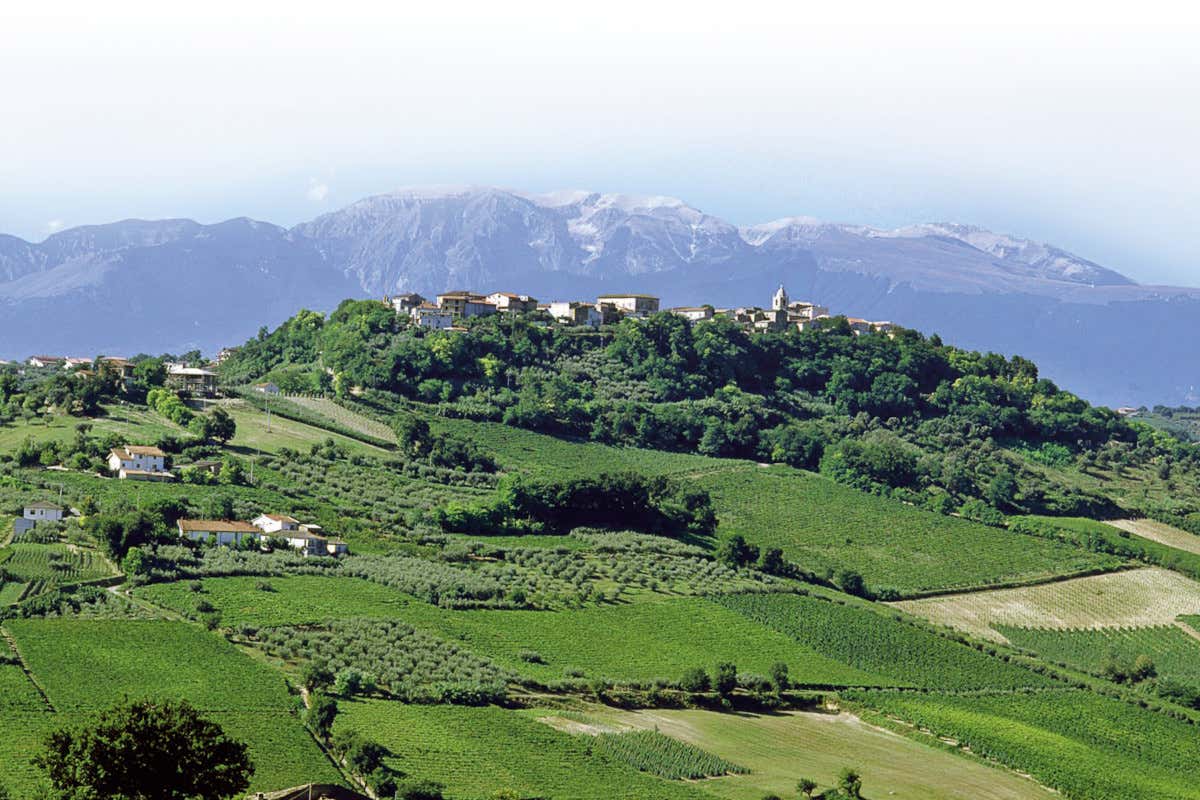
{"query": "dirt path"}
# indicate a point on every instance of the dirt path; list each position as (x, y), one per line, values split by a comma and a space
(1188, 629)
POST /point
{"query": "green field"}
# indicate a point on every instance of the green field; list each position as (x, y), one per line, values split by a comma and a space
(780, 748)
(133, 423)
(88, 665)
(1084, 745)
(1176, 655)
(880, 644)
(824, 527)
(295, 600)
(56, 563)
(17, 693)
(255, 433)
(91, 664)
(476, 752)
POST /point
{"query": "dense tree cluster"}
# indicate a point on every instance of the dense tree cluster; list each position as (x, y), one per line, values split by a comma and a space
(898, 413)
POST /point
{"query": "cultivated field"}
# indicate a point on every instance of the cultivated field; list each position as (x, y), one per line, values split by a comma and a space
(56, 563)
(1135, 598)
(256, 433)
(341, 416)
(780, 748)
(1159, 532)
(1176, 654)
(478, 752)
(825, 526)
(1088, 746)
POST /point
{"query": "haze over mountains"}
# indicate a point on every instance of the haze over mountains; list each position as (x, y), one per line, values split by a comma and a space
(172, 285)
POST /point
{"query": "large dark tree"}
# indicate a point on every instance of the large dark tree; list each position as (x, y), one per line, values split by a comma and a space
(146, 751)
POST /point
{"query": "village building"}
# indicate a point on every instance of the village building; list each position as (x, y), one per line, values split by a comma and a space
(466, 304)
(206, 465)
(632, 305)
(405, 303)
(275, 523)
(220, 531)
(609, 313)
(46, 361)
(266, 388)
(43, 511)
(693, 313)
(76, 363)
(139, 463)
(195, 381)
(575, 313)
(512, 303)
(226, 353)
(432, 317)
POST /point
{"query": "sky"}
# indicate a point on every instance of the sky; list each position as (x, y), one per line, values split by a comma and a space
(1064, 122)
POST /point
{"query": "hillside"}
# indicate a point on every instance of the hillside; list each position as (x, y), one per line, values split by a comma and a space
(653, 561)
(1088, 325)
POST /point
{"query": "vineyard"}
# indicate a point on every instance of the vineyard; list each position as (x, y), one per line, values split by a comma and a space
(1175, 654)
(332, 414)
(905, 653)
(1082, 744)
(828, 527)
(478, 752)
(650, 751)
(56, 564)
(1131, 599)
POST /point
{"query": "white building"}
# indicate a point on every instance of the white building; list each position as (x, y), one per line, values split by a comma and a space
(633, 305)
(573, 313)
(693, 313)
(139, 462)
(46, 361)
(275, 523)
(221, 531)
(266, 388)
(41, 511)
(513, 303)
(430, 316)
(405, 303)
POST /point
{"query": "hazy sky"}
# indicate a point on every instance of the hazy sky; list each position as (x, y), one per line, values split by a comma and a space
(1057, 121)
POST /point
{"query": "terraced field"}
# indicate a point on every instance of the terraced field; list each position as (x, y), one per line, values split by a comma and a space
(782, 747)
(1135, 598)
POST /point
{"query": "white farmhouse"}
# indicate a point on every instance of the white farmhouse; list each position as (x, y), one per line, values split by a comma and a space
(275, 523)
(575, 313)
(41, 511)
(139, 462)
(430, 316)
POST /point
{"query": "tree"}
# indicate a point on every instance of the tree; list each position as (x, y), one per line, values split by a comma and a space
(726, 680)
(735, 551)
(695, 680)
(1002, 491)
(412, 435)
(850, 783)
(316, 675)
(221, 426)
(806, 787)
(779, 676)
(145, 751)
(322, 711)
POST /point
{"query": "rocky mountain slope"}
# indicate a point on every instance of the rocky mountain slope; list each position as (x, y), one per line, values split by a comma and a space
(175, 284)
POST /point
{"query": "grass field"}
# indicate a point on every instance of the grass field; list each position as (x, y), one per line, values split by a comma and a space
(133, 423)
(1132, 599)
(1160, 532)
(1176, 655)
(56, 563)
(477, 752)
(344, 417)
(1088, 747)
(902, 652)
(825, 527)
(780, 748)
(295, 600)
(17, 693)
(255, 434)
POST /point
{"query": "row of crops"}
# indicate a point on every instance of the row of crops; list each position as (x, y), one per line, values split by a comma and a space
(55, 564)
(883, 644)
(1084, 745)
(651, 751)
(1175, 654)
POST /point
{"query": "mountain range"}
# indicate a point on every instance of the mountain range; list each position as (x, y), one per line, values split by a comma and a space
(173, 285)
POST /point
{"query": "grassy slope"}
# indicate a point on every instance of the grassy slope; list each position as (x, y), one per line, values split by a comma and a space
(1087, 746)
(824, 526)
(476, 752)
(780, 748)
(135, 423)
(627, 642)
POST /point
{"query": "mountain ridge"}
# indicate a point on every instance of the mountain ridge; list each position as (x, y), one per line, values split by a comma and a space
(208, 285)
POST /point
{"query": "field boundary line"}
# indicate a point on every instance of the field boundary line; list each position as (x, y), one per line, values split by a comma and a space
(1019, 584)
(12, 644)
(1188, 629)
